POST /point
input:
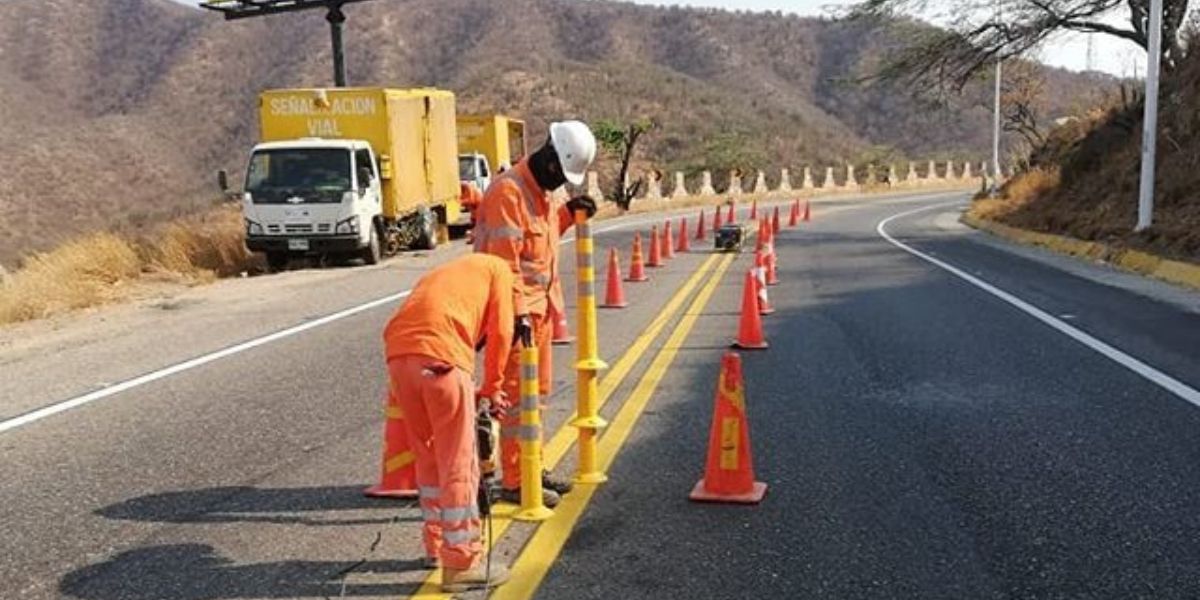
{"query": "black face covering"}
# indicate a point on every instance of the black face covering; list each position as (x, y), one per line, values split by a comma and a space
(546, 168)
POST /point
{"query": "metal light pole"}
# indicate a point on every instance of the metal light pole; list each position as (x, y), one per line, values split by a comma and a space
(996, 132)
(996, 119)
(1150, 119)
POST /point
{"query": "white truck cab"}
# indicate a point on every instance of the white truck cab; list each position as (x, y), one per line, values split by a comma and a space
(313, 196)
(474, 168)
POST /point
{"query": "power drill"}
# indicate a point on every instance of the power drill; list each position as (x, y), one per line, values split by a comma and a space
(487, 440)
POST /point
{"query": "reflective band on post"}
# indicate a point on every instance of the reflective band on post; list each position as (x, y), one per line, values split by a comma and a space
(585, 289)
(530, 401)
(529, 372)
(457, 537)
(460, 513)
(431, 514)
(429, 492)
(529, 433)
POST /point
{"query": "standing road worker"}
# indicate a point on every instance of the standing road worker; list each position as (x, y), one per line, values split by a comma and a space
(519, 221)
(431, 341)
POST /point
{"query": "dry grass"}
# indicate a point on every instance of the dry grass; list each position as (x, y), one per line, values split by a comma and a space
(100, 268)
(79, 274)
(1019, 192)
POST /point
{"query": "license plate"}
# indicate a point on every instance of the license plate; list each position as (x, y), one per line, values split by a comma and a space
(297, 244)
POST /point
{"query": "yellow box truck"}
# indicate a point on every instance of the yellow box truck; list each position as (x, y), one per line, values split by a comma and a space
(351, 172)
(487, 143)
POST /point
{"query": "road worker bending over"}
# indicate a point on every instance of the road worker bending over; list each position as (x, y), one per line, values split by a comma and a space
(520, 222)
(431, 343)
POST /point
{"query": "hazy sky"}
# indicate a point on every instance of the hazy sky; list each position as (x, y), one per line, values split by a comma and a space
(1109, 54)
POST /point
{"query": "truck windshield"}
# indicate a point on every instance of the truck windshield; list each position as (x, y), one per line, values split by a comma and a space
(314, 175)
(466, 168)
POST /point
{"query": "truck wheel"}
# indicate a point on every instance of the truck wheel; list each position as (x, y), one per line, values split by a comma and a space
(277, 261)
(426, 226)
(374, 250)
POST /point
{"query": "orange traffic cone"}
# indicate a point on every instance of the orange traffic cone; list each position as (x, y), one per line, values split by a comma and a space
(754, 209)
(731, 217)
(807, 212)
(700, 233)
(760, 277)
(750, 332)
(729, 468)
(561, 334)
(760, 240)
(398, 477)
(716, 219)
(795, 213)
(683, 245)
(655, 253)
(637, 270)
(668, 245)
(775, 221)
(614, 296)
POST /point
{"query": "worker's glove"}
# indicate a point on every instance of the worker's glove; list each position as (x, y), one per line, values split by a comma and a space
(584, 203)
(498, 404)
(523, 331)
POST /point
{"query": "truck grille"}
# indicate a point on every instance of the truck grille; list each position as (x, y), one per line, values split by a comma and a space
(324, 227)
(297, 228)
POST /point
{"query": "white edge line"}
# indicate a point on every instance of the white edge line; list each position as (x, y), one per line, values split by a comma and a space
(1133, 364)
(65, 405)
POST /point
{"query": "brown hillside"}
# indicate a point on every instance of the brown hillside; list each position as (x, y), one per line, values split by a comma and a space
(1098, 166)
(117, 113)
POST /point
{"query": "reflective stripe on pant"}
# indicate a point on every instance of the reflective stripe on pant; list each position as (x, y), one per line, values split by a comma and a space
(510, 421)
(438, 401)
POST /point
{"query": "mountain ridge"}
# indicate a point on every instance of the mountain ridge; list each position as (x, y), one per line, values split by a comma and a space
(136, 103)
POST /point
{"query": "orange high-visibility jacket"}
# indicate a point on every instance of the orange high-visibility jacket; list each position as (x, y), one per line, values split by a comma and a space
(514, 223)
(450, 310)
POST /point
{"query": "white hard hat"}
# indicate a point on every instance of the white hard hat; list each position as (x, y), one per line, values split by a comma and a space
(576, 147)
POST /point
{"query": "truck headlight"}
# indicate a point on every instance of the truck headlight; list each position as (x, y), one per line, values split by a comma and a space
(347, 225)
(253, 228)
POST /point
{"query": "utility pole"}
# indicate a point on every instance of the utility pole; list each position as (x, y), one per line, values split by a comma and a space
(996, 132)
(244, 9)
(1145, 213)
(996, 119)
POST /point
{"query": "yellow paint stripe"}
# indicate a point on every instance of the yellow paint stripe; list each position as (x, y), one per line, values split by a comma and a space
(547, 542)
(554, 450)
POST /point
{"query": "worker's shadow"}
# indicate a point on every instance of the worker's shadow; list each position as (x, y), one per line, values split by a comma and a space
(284, 506)
(197, 572)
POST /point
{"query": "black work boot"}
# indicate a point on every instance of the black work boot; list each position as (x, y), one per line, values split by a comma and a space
(550, 498)
(550, 482)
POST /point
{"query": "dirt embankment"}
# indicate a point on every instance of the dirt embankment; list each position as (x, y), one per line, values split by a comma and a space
(1084, 182)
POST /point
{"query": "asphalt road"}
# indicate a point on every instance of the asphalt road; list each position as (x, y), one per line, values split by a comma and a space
(921, 438)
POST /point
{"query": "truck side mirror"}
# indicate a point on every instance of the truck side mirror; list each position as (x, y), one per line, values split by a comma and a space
(223, 181)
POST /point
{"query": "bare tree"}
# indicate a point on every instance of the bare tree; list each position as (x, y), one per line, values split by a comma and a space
(1023, 103)
(974, 38)
(621, 140)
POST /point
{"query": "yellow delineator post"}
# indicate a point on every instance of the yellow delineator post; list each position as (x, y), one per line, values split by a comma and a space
(530, 434)
(588, 364)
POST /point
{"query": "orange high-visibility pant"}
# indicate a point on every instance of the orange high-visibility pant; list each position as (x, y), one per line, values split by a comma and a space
(438, 401)
(510, 420)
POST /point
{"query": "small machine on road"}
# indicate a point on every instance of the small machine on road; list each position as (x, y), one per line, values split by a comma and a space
(729, 238)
